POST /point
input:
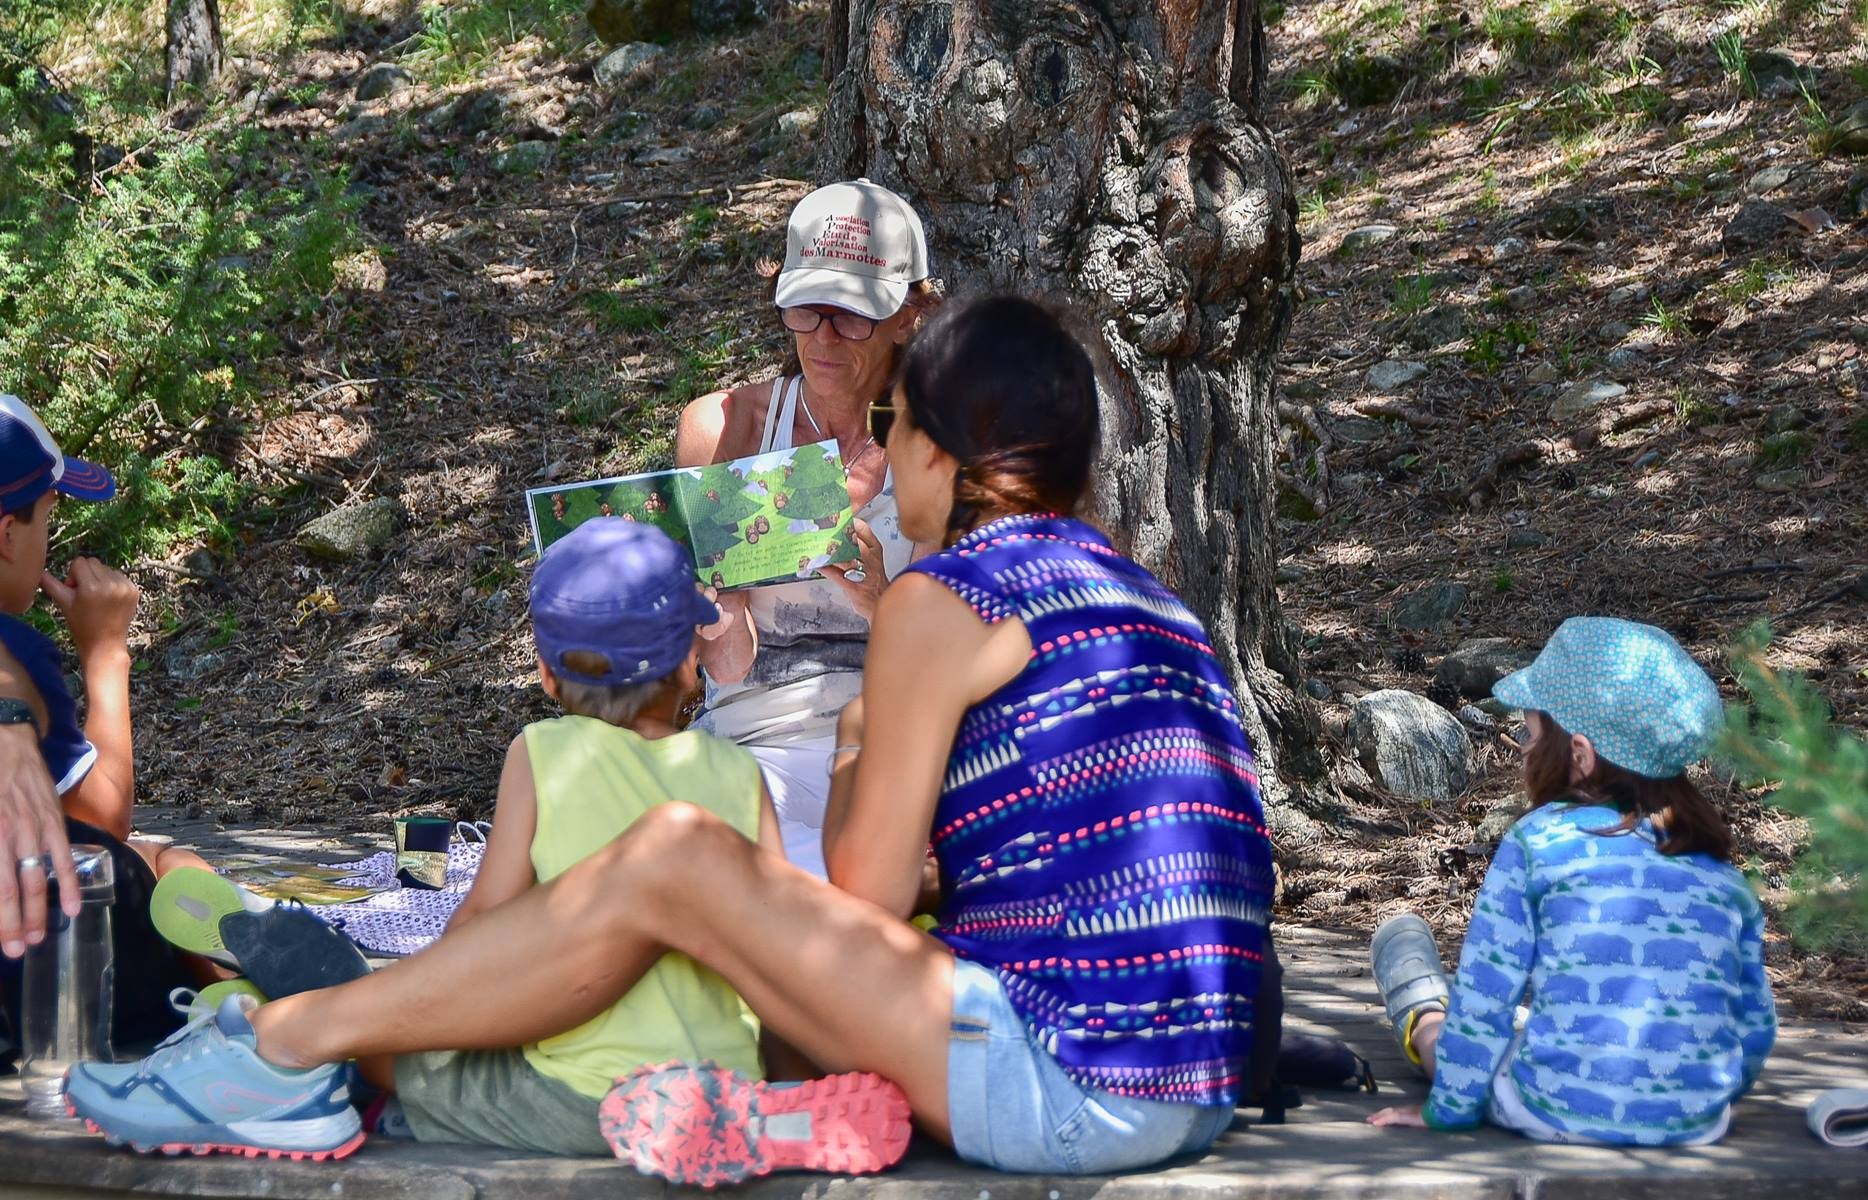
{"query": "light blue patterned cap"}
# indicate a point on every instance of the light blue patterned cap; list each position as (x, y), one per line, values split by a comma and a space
(1629, 688)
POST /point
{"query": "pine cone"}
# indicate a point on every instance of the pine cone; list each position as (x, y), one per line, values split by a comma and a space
(1410, 660)
(1444, 694)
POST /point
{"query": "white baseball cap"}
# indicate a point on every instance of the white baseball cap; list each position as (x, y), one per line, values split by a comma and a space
(854, 245)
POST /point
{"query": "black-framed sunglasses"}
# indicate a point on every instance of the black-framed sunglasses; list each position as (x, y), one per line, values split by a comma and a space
(851, 327)
(881, 420)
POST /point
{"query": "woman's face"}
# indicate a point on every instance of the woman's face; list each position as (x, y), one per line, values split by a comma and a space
(836, 366)
(923, 475)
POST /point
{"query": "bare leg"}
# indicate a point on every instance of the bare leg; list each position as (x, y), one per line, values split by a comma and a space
(163, 858)
(849, 985)
(1426, 1036)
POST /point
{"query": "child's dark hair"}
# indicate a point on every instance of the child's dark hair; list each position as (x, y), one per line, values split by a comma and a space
(1683, 817)
(1002, 385)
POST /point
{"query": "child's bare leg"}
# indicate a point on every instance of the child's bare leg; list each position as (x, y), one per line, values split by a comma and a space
(163, 858)
(852, 985)
(1426, 1036)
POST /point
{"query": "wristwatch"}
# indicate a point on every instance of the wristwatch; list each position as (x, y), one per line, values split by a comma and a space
(17, 712)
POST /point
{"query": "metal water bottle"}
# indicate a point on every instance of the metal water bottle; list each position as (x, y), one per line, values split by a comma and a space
(66, 988)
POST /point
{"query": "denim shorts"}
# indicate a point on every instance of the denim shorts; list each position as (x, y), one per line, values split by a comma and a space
(1012, 1107)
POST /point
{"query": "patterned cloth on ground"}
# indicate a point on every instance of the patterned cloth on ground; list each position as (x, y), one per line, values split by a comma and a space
(402, 920)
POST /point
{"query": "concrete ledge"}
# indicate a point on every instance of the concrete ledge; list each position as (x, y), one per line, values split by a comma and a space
(1323, 1153)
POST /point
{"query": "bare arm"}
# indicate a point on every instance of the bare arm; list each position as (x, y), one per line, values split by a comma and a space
(31, 821)
(930, 659)
(712, 430)
(506, 868)
(98, 604)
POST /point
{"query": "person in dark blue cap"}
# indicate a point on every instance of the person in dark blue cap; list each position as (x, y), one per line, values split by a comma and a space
(63, 782)
(615, 614)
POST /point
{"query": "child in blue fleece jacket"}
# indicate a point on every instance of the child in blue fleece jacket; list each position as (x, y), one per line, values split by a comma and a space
(1614, 902)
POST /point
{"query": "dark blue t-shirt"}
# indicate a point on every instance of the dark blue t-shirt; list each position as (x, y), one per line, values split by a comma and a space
(69, 756)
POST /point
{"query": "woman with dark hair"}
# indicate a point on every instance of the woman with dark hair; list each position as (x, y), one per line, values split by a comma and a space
(1039, 710)
(1615, 902)
(782, 660)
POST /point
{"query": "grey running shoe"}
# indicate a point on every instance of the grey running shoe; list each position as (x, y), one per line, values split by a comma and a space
(1407, 971)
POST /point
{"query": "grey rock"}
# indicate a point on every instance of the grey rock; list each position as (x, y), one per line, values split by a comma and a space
(1850, 133)
(1614, 331)
(1358, 430)
(383, 79)
(1526, 539)
(704, 116)
(1288, 573)
(1768, 180)
(627, 65)
(1584, 395)
(1543, 372)
(369, 125)
(1476, 719)
(1510, 248)
(1365, 79)
(1521, 298)
(1777, 75)
(1628, 293)
(809, 64)
(1365, 236)
(1429, 607)
(523, 158)
(1624, 358)
(473, 112)
(189, 660)
(665, 156)
(1392, 374)
(1570, 220)
(1436, 327)
(1476, 665)
(1503, 815)
(797, 123)
(1410, 745)
(1785, 418)
(1754, 226)
(1316, 689)
(1790, 479)
(353, 530)
(718, 16)
(619, 21)
(1303, 389)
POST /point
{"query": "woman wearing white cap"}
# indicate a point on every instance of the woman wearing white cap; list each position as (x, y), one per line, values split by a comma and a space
(784, 660)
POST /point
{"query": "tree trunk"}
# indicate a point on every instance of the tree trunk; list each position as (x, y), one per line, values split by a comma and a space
(1112, 154)
(195, 51)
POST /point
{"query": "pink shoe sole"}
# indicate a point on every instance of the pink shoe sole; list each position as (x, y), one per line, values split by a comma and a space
(705, 1125)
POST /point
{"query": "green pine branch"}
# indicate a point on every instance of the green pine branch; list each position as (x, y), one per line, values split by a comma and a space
(1785, 740)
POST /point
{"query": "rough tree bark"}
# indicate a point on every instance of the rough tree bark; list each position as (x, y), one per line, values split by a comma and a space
(1112, 153)
(195, 51)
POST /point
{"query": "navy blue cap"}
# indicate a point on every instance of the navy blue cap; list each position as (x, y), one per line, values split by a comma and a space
(32, 465)
(622, 589)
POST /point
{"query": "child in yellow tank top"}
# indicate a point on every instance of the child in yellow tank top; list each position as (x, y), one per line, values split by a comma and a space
(614, 613)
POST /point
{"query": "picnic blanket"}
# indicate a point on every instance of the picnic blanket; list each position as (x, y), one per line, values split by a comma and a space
(401, 920)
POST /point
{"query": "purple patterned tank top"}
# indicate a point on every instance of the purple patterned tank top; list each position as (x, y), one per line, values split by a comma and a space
(1099, 835)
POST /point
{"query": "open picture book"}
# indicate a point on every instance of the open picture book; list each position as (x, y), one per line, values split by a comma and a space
(767, 518)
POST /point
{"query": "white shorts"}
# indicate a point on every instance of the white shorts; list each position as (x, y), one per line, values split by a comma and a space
(798, 777)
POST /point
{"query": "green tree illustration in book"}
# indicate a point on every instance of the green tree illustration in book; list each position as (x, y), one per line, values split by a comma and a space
(767, 518)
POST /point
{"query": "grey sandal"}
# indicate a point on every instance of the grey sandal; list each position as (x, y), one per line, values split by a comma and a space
(1407, 970)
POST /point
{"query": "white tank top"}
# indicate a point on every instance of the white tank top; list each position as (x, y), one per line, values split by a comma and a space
(811, 640)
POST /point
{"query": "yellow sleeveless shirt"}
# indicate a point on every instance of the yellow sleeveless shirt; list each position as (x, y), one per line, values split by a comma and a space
(594, 779)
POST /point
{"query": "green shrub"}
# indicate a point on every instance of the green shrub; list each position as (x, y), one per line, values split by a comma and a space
(135, 303)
